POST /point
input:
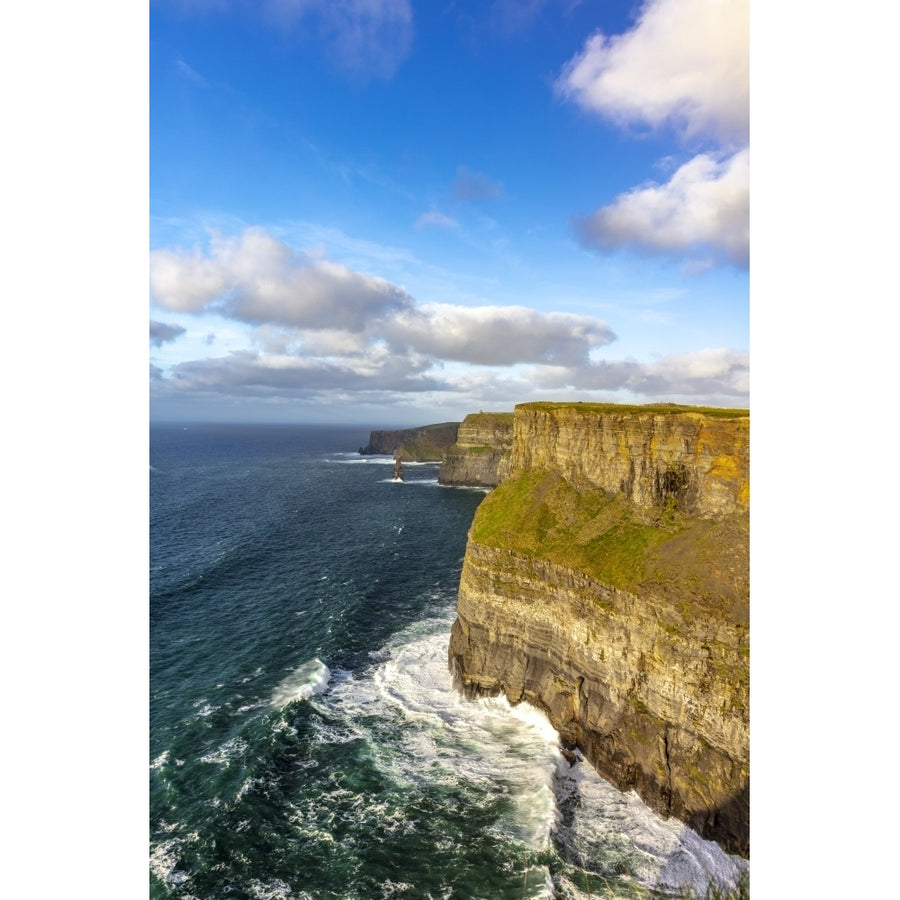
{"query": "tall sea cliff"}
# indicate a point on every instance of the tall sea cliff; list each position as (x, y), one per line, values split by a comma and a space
(606, 581)
(481, 455)
(428, 443)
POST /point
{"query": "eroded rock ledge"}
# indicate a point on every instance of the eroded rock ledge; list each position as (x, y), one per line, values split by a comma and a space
(613, 594)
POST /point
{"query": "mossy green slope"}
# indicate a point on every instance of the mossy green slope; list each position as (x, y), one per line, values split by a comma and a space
(697, 563)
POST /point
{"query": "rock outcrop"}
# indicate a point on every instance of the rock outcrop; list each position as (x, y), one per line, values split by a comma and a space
(606, 581)
(428, 443)
(480, 457)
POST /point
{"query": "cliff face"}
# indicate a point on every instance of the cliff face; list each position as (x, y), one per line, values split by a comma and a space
(426, 444)
(701, 460)
(606, 581)
(481, 455)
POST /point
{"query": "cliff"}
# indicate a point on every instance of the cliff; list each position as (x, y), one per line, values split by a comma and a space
(606, 581)
(428, 443)
(480, 457)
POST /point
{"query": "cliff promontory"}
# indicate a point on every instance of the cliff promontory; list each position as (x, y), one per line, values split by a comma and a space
(429, 443)
(480, 457)
(606, 581)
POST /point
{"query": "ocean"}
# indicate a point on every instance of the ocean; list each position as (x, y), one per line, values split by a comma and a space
(305, 737)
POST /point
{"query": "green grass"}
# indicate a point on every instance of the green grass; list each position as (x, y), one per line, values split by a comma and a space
(443, 428)
(695, 562)
(505, 417)
(653, 408)
(430, 442)
(540, 514)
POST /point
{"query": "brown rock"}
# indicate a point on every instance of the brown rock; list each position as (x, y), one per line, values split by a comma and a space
(637, 650)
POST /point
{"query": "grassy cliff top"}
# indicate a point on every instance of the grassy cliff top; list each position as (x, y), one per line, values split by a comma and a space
(698, 564)
(492, 416)
(440, 426)
(655, 409)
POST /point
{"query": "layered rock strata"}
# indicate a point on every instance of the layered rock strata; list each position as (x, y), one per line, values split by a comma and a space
(648, 454)
(481, 455)
(606, 581)
(429, 443)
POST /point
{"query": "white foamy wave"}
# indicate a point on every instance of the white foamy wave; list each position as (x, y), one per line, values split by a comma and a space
(389, 888)
(698, 862)
(414, 482)
(160, 760)
(310, 678)
(420, 728)
(604, 824)
(433, 733)
(248, 784)
(466, 487)
(270, 890)
(231, 749)
(165, 857)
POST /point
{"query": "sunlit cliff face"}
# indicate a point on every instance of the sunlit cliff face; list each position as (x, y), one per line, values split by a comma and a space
(606, 581)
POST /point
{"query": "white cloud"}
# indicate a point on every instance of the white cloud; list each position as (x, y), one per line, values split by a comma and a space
(704, 207)
(685, 63)
(707, 373)
(330, 342)
(710, 376)
(321, 329)
(184, 281)
(249, 374)
(496, 335)
(327, 307)
(717, 371)
(321, 294)
(259, 279)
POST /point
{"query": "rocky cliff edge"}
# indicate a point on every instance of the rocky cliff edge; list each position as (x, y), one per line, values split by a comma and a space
(606, 581)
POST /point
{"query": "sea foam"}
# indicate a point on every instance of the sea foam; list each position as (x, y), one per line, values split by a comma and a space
(513, 751)
(306, 680)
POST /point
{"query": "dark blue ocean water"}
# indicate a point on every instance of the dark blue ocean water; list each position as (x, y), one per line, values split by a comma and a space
(305, 739)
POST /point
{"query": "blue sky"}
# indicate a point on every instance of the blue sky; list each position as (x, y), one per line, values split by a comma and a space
(400, 212)
(78, 146)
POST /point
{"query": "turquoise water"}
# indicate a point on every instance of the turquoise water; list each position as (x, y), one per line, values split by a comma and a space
(305, 739)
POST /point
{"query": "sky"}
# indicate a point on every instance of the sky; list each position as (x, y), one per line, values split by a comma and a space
(401, 212)
(380, 146)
